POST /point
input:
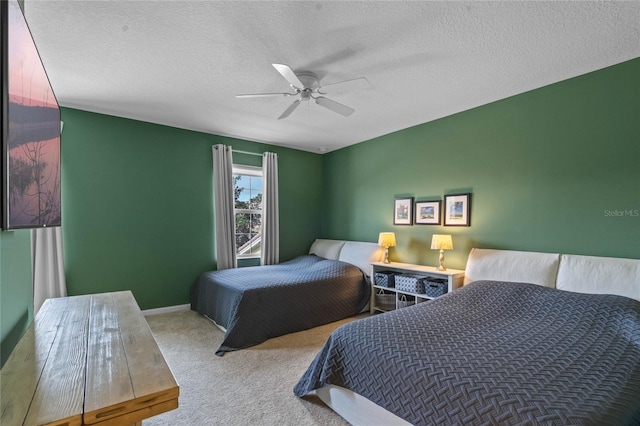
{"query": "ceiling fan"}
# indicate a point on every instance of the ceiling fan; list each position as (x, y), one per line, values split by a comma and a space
(306, 86)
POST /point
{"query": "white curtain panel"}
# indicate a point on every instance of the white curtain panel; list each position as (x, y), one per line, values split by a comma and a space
(270, 250)
(48, 265)
(223, 206)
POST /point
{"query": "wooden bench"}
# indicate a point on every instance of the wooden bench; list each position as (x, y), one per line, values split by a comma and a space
(87, 360)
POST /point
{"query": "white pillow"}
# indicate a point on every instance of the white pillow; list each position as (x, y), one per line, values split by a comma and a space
(361, 254)
(599, 275)
(329, 249)
(515, 266)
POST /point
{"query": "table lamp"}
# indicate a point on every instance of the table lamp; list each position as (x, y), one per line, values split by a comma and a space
(442, 243)
(386, 240)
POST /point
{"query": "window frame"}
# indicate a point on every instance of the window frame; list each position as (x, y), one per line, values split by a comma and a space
(241, 169)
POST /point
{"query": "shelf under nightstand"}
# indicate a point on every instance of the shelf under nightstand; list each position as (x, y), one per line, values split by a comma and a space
(454, 279)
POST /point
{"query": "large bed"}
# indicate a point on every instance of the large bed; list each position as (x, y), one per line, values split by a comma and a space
(532, 338)
(257, 303)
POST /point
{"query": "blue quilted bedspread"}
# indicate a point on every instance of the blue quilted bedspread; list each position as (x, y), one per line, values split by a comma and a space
(261, 302)
(493, 353)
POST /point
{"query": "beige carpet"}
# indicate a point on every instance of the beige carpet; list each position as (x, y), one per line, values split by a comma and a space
(249, 387)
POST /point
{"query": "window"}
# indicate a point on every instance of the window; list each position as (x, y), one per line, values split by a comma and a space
(247, 195)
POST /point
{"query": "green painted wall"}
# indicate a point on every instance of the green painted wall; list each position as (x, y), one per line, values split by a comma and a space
(548, 169)
(138, 205)
(16, 289)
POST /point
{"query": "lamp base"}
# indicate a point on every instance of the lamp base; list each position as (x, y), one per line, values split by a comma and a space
(386, 255)
(441, 260)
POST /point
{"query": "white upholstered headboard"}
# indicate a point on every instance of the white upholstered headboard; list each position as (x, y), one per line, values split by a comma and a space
(357, 253)
(516, 266)
(599, 275)
(581, 274)
(329, 249)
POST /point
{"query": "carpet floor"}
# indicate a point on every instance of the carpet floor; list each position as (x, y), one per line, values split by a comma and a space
(249, 387)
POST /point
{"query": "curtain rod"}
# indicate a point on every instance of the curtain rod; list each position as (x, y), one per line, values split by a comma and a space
(247, 152)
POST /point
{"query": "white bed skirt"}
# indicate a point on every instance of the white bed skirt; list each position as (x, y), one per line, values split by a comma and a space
(356, 409)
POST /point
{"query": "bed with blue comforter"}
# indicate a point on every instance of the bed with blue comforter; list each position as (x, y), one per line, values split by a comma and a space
(493, 353)
(257, 303)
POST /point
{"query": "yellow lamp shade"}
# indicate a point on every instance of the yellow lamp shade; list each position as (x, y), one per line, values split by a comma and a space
(387, 239)
(441, 242)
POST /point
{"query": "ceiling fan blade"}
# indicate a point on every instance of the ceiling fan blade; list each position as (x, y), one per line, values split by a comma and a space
(334, 106)
(289, 75)
(352, 84)
(289, 110)
(265, 95)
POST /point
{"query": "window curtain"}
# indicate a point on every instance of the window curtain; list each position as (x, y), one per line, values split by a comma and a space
(47, 265)
(223, 206)
(270, 250)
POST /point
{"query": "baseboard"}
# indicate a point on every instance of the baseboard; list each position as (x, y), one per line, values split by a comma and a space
(166, 310)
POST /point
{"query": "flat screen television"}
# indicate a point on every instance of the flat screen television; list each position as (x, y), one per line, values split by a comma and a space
(30, 129)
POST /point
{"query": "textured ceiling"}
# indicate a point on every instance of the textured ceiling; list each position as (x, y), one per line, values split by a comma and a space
(180, 63)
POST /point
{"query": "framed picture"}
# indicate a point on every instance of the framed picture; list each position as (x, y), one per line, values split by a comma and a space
(30, 129)
(428, 212)
(403, 211)
(457, 210)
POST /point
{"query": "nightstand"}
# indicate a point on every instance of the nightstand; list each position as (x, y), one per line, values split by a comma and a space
(390, 298)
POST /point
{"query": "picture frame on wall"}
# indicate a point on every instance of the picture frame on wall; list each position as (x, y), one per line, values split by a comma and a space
(29, 130)
(427, 212)
(403, 211)
(457, 210)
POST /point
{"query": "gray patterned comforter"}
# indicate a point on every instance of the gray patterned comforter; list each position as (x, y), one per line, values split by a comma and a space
(493, 353)
(260, 302)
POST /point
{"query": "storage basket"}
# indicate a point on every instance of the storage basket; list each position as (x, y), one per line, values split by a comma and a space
(409, 283)
(385, 301)
(385, 279)
(404, 301)
(435, 287)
